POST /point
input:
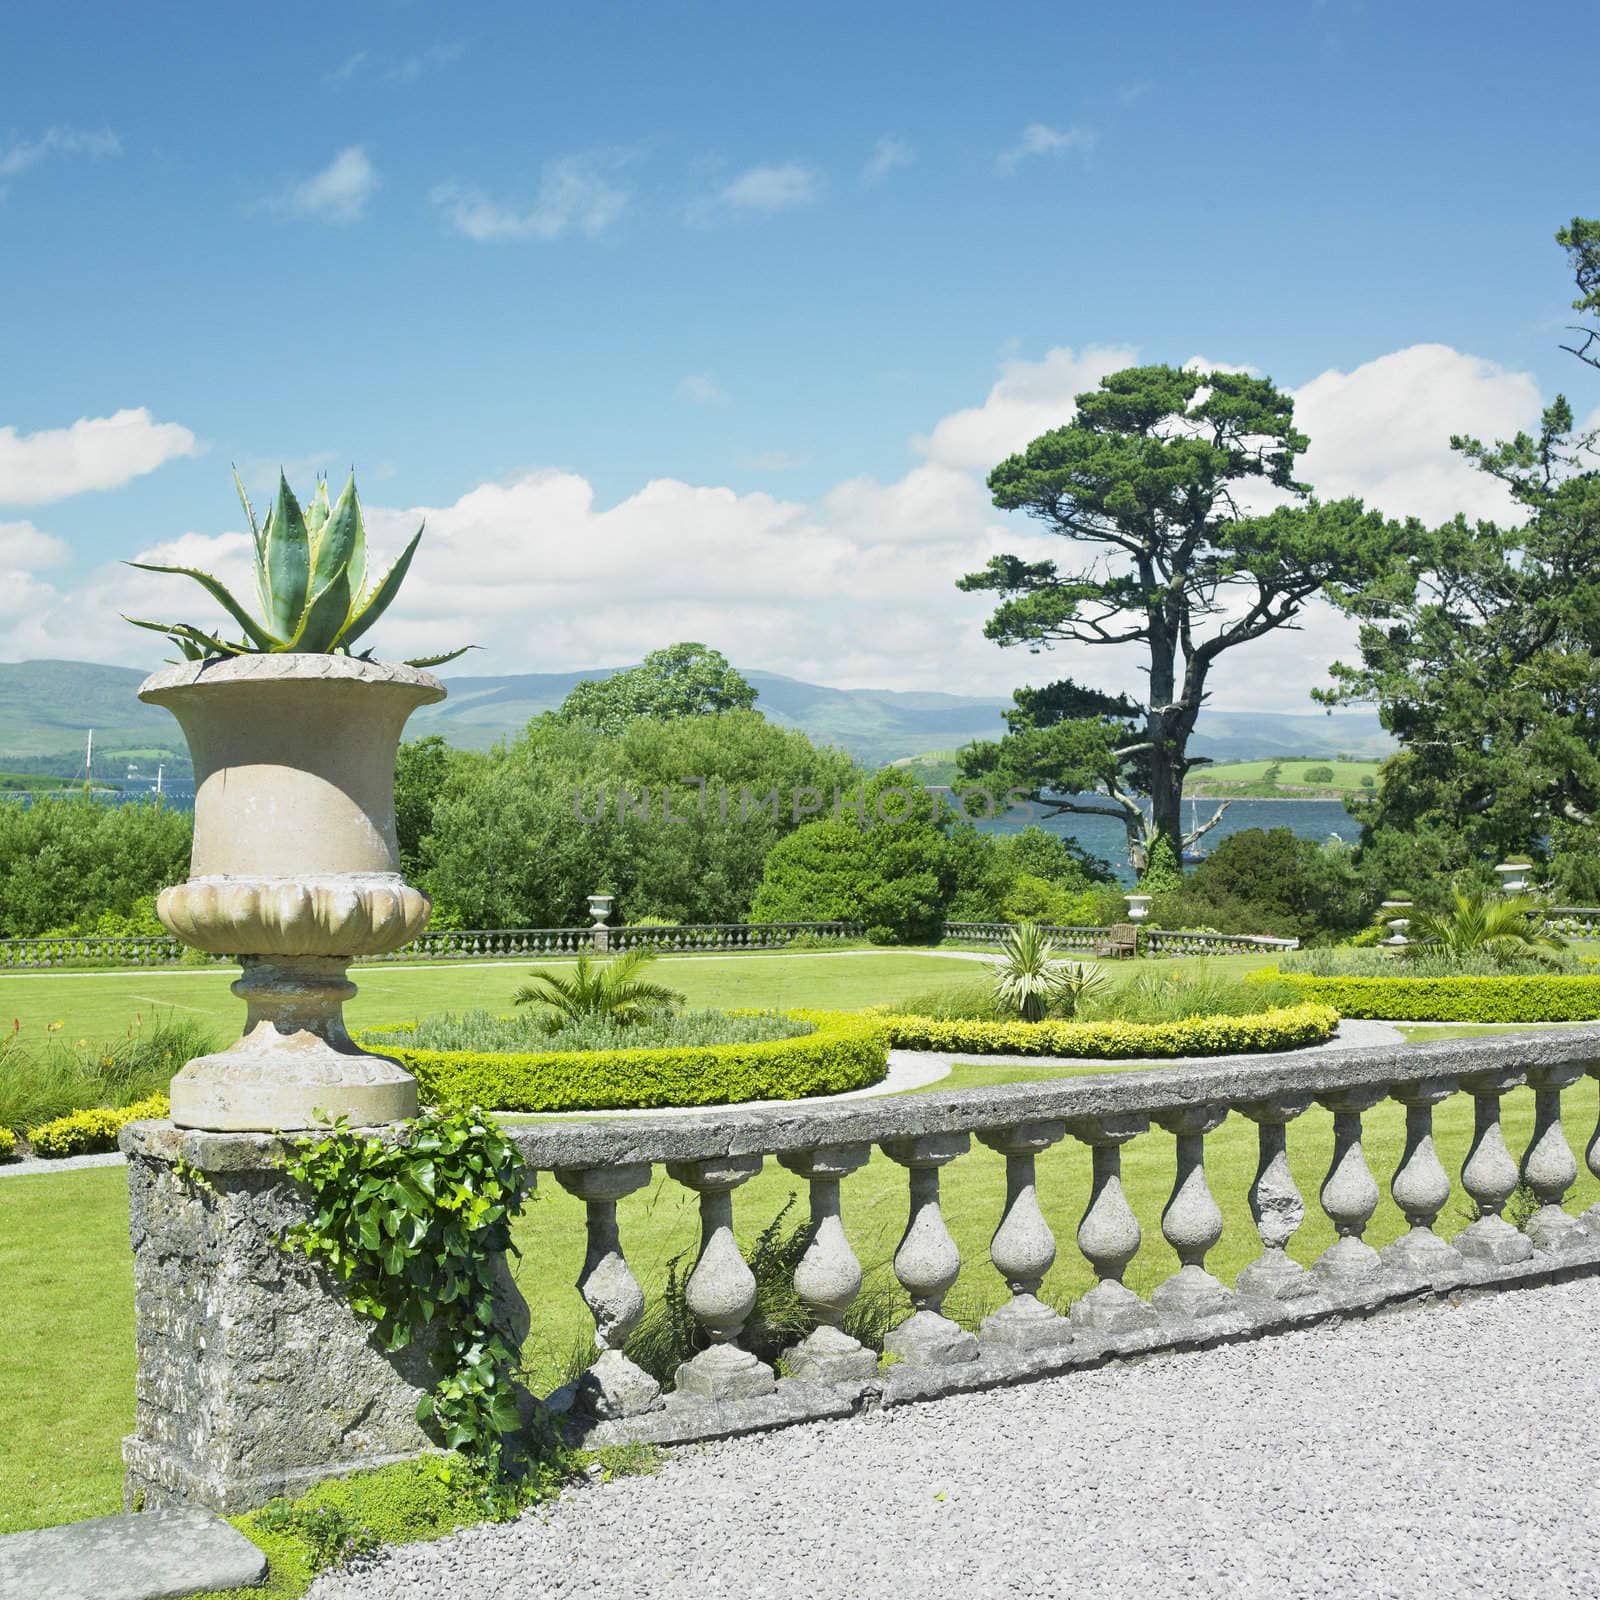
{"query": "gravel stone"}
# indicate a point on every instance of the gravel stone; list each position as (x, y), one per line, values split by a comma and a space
(1447, 1450)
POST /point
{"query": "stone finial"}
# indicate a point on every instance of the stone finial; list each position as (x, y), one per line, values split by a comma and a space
(721, 1292)
(1420, 1185)
(1489, 1174)
(1349, 1192)
(828, 1277)
(1192, 1220)
(1275, 1203)
(614, 1386)
(927, 1261)
(1108, 1234)
(1023, 1248)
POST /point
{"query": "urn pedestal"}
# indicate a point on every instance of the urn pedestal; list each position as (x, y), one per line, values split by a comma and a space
(296, 872)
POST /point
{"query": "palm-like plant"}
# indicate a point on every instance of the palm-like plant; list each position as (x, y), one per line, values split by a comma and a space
(610, 989)
(1501, 926)
(311, 575)
(1031, 982)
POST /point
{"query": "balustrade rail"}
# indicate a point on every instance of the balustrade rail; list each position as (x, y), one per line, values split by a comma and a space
(1574, 922)
(1156, 941)
(713, 1154)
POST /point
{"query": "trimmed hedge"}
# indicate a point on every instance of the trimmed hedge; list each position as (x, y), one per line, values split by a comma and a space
(86, 1133)
(1553, 997)
(844, 1052)
(8, 1144)
(1280, 1028)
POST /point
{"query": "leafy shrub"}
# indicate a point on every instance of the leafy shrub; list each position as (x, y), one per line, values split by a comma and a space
(1551, 997)
(1500, 926)
(8, 1144)
(1348, 961)
(1318, 774)
(1163, 872)
(1278, 1028)
(92, 1132)
(612, 990)
(479, 1030)
(49, 1075)
(1193, 990)
(1029, 983)
(844, 1052)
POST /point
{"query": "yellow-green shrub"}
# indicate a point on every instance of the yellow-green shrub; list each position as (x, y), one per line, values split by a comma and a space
(845, 1052)
(1280, 1028)
(8, 1144)
(1553, 997)
(88, 1132)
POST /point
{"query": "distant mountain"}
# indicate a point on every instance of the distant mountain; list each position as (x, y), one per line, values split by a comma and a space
(47, 708)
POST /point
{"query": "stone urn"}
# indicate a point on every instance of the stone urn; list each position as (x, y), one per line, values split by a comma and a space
(296, 872)
(1513, 876)
(1138, 906)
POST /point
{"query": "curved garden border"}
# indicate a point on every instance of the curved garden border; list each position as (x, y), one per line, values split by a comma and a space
(1278, 1028)
(1554, 997)
(845, 1051)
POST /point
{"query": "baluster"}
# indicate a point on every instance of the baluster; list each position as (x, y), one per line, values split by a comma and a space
(1349, 1192)
(1420, 1185)
(1108, 1234)
(1023, 1248)
(1591, 1159)
(1275, 1203)
(614, 1386)
(721, 1292)
(1192, 1220)
(828, 1277)
(1489, 1174)
(927, 1261)
(1548, 1167)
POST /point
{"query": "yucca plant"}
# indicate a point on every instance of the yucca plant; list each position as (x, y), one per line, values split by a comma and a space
(311, 574)
(599, 989)
(1501, 926)
(1030, 983)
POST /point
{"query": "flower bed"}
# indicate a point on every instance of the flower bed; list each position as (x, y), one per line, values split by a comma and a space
(1279, 1028)
(839, 1053)
(86, 1133)
(1552, 997)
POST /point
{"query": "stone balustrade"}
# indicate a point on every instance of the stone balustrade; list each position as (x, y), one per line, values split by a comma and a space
(1152, 941)
(725, 1388)
(996, 933)
(1573, 922)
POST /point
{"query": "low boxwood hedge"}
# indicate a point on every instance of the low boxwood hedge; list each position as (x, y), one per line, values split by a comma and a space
(1539, 997)
(843, 1052)
(85, 1133)
(1280, 1028)
(8, 1144)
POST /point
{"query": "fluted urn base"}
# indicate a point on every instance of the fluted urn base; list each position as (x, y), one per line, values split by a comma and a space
(296, 1066)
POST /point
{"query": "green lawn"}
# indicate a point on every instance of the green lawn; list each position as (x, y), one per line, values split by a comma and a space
(1235, 776)
(66, 1313)
(100, 1005)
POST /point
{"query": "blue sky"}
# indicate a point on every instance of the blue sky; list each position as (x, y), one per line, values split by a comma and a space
(757, 253)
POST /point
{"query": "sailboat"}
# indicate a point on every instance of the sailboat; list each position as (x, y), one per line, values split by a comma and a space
(1194, 853)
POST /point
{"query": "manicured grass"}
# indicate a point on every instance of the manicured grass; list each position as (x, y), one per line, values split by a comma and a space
(1225, 775)
(66, 1316)
(102, 1006)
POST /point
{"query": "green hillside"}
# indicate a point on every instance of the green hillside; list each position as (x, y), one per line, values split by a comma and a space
(1296, 776)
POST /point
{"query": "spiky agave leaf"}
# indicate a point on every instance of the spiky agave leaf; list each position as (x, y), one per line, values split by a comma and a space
(439, 661)
(328, 607)
(288, 564)
(250, 513)
(317, 511)
(183, 635)
(368, 611)
(218, 591)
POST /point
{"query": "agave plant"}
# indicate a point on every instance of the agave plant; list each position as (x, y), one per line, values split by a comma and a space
(311, 574)
(1501, 926)
(1030, 982)
(599, 989)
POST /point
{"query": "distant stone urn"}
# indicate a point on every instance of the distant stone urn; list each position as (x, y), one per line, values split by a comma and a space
(296, 871)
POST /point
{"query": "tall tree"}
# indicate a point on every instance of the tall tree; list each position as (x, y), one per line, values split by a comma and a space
(683, 680)
(1159, 484)
(1487, 668)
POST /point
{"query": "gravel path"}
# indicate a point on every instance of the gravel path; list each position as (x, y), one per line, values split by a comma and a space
(1441, 1452)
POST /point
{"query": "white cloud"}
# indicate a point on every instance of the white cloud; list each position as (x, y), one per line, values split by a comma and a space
(701, 389)
(94, 453)
(21, 154)
(887, 155)
(339, 193)
(346, 69)
(576, 194)
(1031, 397)
(1382, 430)
(1039, 139)
(854, 587)
(785, 187)
(413, 67)
(1206, 364)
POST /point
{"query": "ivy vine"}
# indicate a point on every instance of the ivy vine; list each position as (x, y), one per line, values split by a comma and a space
(412, 1229)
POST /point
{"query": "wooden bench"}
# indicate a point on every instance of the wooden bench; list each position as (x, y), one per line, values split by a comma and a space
(1120, 941)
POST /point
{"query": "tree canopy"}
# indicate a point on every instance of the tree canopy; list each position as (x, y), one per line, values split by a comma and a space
(1190, 536)
(683, 680)
(1484, 667)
